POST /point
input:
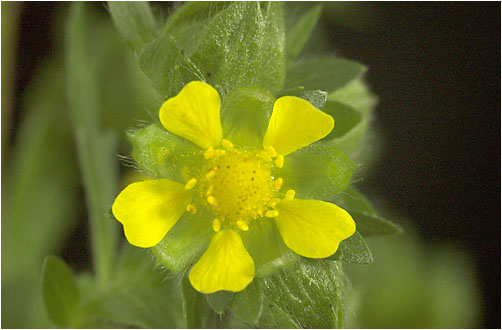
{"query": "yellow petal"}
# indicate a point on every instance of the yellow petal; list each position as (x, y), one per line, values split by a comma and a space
(313, 228)
(294, 124)
(226, 265)
(148, 209)
(194, 114)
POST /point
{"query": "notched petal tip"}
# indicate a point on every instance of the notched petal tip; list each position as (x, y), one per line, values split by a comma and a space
(226, 265)
(149, 209)
(294, 124)
(194, 114)
(313, 228)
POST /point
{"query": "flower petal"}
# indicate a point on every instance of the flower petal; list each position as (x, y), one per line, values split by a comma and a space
(194, 114)
(294, 124)
(226, 265)
(148, 209)
(312, 228)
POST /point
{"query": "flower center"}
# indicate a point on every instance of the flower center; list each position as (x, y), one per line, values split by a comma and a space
(238, 185)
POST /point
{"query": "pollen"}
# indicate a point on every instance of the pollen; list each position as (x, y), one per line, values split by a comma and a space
(271, 213)
(239, 186)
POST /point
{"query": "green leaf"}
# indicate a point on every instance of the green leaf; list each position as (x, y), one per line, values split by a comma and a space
(245, 114)
(346, 118)
(220, 300)
(308, 295)
(265, 245)
(373, 225)
(243, 45)
(247, 304)
(161, 154)
(134, 19)
(163, 63)
(297, 37)
(60, 292)
(96, 147)
(195, 308)
(141, 295)
(355, 250)
(327, 74)
(318, 171)
(185, 242)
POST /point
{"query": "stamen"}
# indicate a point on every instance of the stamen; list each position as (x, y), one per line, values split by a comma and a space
(216, 225)
(219, 152)
(210, 190)
(271, 213)
(212, 201)
(271, 151)
(227, 144)
(278, 183)
(279, 161)
(191, 209)
(210, 174)
(191, 183)
(209, 153)
(290, 194)
(265, 156)
(242, 225)
(273, 202)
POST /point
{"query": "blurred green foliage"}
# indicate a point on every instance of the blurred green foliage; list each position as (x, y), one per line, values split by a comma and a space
(66, 145)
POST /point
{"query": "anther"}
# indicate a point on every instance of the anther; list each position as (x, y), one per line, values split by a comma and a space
(209, 191)
(273, 202)
(227, 144)
(242, 225)
(191, 183)
(210, 174)
(216, 225)
(219, 152)
(271, 151)
(271, 213)
(278, 183)
(265, 156)
(191, 209)
(290, 194)
(209, 153)
(279, 161)
(212, 201)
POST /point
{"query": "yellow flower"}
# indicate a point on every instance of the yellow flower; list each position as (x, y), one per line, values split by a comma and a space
(237, 186)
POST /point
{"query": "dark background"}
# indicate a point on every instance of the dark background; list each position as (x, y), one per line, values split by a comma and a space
(436, 69)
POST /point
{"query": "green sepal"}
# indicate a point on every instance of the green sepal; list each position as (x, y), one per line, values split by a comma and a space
(220, 300)
(345, 116)
(248, 303)
(60, 293)
(315, 97)
(245, 114)
(327, 73)
(318, 171)
(134, 20)
(353, 250)
(185, 242)
(161, 154)
(163, 63)
(243, 45)
(367, 221)
(299, 34)
(307, 295)
(264, 243)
